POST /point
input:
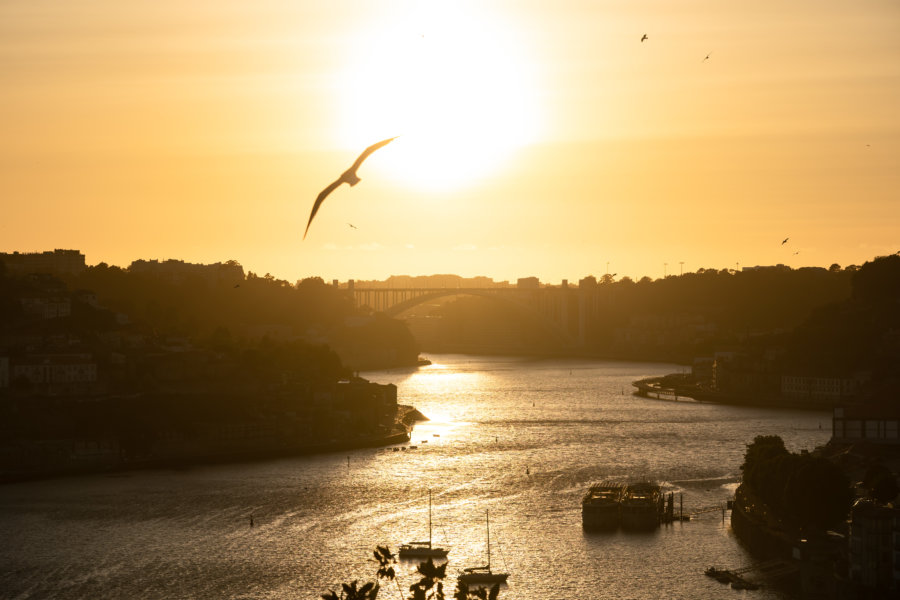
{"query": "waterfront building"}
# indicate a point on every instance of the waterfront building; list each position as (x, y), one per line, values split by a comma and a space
(874, 560)
(822, 388)
(872, 422)
(702, 368)
(747, 375)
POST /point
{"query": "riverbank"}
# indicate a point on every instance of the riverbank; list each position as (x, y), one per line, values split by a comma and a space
(677, 386)
(404, 420)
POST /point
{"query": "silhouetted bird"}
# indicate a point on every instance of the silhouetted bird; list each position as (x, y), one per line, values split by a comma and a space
(784, 241)
(797, 252)
(352, 225)
(349, 177)
(644, 38)
(706, 58)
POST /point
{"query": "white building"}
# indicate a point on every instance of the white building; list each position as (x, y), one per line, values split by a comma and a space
(831, 389)
(57, 369)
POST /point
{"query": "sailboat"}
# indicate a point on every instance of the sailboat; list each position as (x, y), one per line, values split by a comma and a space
(483, 574)
(423, 549)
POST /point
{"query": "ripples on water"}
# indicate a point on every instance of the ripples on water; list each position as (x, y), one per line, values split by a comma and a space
(186, 534)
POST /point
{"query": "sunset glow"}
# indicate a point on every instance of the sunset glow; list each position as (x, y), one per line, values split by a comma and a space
(533, 140)
(453, 81)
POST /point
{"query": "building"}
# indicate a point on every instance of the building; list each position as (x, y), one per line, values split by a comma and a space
(57, 373)
(46, 306)
(872, 422)
(745, 375)
(873, 550)
(528, 283)
(230, 272)
(57, 262)
(702, 368)
(832, 390)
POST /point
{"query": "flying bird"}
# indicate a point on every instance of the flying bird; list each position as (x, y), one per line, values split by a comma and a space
(706, 58)
(352, 225)
(349, 177)
(644, 38)
(784, 241)
(796, 253)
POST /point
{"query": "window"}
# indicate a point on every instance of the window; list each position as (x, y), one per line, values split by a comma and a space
(872, 430)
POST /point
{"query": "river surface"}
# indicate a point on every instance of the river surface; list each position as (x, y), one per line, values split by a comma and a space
(521, 438)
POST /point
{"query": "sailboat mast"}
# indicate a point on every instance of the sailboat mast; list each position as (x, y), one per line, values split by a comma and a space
(487, 515)
(429, 518)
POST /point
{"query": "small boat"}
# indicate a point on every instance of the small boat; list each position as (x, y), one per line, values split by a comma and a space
(479, 575)
(423, 549)
(743, 584)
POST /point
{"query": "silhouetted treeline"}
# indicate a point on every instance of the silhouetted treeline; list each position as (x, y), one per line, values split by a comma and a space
(682, 317)
(800, 491)
(862, 332)
(675, 318)
(243, 312)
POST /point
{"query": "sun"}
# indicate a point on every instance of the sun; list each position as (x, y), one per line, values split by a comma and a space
(451, 80)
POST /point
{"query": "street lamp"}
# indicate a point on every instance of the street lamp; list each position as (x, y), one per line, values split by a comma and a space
(664, 269)
(681, 270)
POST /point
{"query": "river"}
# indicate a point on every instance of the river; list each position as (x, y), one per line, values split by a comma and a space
(523, 438)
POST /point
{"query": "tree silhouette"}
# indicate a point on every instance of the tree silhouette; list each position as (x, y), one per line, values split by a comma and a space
(429, 587)
(350, 591)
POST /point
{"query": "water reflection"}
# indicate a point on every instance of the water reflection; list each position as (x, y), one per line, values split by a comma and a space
(185, 534)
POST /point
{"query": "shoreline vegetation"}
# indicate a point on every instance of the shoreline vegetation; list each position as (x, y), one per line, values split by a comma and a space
(404, 421)
(809, 514)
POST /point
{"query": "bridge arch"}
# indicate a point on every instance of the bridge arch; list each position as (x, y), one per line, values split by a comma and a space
(549, 316)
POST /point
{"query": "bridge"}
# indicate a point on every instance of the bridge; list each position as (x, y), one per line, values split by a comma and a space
(564, 312)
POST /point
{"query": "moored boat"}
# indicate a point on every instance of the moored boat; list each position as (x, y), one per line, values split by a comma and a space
(483, 575)
(600, 506)
(423, 549)
(641, 505)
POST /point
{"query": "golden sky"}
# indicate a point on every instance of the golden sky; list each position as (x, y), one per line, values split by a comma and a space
(537, 138)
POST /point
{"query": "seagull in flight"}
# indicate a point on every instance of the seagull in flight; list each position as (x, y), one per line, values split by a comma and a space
(349, 177)
(784, 241)
(352, 225)
(644, 38)
(706, 58)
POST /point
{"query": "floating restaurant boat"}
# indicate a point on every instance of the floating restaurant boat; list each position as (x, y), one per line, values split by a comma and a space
(600, 506)
(609, 505)
(423, 549)
(641, 505)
